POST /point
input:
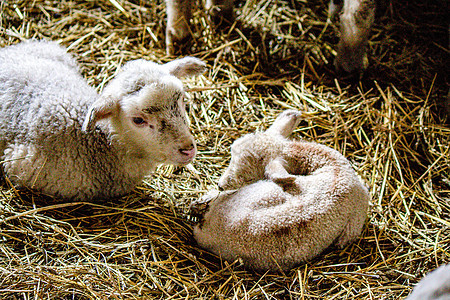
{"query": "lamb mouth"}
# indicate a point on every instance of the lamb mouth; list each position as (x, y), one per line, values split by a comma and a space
(182, 160)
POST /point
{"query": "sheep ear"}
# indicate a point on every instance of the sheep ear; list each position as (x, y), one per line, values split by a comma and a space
(104, 107)
(185, 67)
(284, 181)
(276, 172)
(285, 123)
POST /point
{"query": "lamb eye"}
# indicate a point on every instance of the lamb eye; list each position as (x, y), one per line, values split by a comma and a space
(138, 121)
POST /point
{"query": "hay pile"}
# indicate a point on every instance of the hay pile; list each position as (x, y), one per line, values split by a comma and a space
(391, 125)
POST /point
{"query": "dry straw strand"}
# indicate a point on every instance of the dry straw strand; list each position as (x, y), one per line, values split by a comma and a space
(390, 123)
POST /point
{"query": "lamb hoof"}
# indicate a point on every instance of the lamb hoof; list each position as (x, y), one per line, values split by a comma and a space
(199, 207)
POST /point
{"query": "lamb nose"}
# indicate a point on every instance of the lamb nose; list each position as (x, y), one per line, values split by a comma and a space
(189, 150)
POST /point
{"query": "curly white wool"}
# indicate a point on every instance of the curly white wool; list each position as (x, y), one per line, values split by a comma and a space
(284, 201)
(59, 137)
(434, 286)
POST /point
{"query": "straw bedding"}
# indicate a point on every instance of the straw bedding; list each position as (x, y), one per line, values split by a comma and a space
(391, 124)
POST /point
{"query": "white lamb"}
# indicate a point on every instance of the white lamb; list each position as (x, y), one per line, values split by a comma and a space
(434, 286)
(59, 137)
(284, 201)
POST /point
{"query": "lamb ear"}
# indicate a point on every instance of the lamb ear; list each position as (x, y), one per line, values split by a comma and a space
(104, 107)
(185, 67)
(276, 172)
(285, 123)
(283, 180)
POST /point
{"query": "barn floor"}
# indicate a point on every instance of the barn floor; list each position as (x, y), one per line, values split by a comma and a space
(391, 123)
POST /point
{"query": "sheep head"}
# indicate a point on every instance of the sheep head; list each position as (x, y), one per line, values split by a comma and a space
(257, 156)
(356, 21)
(144, 108)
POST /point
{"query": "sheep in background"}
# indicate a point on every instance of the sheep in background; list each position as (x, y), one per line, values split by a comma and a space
(284, 201)
(356, 20)
(59, 137)
(434, 286)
